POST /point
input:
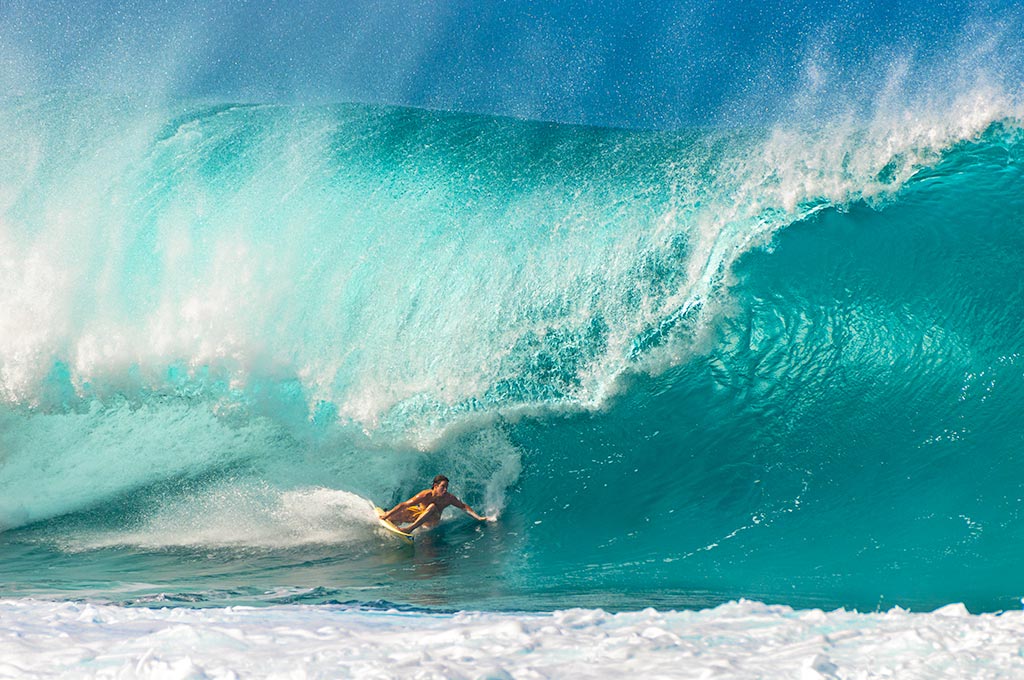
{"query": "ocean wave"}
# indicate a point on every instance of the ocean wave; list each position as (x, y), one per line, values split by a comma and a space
(755, 336)
(399, 269)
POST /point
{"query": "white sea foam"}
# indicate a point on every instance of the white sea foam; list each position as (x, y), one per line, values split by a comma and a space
(736, 640)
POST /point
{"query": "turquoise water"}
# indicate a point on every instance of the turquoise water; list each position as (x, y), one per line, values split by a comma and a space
(779, 363)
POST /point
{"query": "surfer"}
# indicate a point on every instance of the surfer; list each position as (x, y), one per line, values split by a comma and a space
(425, 508)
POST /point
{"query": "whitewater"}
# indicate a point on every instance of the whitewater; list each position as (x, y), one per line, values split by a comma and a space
(741, 640)
(744, 394)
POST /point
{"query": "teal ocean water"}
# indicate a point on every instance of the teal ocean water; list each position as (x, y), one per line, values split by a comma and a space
(778, 362)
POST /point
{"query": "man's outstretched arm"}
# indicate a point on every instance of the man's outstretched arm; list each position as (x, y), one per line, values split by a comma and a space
(469, 511)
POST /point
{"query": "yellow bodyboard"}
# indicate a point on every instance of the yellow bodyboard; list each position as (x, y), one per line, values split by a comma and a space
(391, 528)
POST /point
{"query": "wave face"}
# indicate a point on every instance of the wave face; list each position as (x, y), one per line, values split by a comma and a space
(780, 363)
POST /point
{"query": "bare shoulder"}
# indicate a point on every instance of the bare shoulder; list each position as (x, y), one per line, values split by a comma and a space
(450, 499)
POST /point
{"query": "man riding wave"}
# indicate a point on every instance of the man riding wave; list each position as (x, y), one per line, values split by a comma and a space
(424, 509)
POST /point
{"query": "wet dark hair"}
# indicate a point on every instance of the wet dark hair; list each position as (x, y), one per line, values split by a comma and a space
(438, 480)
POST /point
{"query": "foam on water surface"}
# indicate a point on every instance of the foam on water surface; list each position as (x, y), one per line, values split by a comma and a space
(741, 639)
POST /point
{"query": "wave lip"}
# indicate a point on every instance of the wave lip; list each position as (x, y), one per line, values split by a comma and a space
(403, 270)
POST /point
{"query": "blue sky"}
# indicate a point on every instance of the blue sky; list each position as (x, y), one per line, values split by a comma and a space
(629, 63)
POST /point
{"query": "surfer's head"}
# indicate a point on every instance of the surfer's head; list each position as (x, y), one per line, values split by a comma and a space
(440, 483)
